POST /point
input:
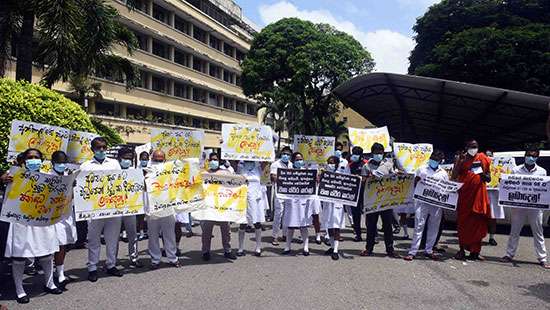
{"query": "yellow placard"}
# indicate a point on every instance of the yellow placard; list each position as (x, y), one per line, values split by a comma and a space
(411, 157)
(178, 144)
(499, 166)
(388, 192)
(79, 146)
(247, 142)
(365, 138)
(46, 138)
(314, 149)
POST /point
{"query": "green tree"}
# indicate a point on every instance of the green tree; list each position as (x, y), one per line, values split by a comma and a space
(293, 66)
(490, 42)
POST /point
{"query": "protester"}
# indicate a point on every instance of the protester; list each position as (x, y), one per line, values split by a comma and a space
(280, 204)
(533, 216)
(497, 211)
(110, 227)
(473, 211)
(333, 215)
(355, 167)
(35, 242)
(140, 219)
(255, 212)
(426, 214)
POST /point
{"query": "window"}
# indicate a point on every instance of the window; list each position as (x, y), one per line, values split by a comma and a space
(142, 41)
(181, 25)
(238, 80)
(199, 95)
(228, 76)
(181, 58)
(135, 112)
(142, 79)
(160, 13)
(180, 90)
(159, 116)
(104, 108)
(228, 50)
(141, 5)
(240, 55)
(160, 49)
(197, 123)
(250, 109)
(240, 107)
(158, 84)
(199, 34)
(215, 71)
(214, 99)
(199, 64)
(181, 120)
(228, 103)
(215, 43)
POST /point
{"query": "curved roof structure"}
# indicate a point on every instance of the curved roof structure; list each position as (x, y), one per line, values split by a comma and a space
(443, 112)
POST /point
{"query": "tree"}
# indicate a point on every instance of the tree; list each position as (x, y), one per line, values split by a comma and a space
(490, 42)
(292, 68)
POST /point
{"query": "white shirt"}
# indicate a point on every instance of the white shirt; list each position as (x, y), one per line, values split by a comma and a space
(279, 164)
(94, 165)
(253, 176)
(343, 166)
(426, 171)
(385, 167)
(537, 170)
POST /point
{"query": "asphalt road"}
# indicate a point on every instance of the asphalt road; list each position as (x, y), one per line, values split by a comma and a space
(297, 282)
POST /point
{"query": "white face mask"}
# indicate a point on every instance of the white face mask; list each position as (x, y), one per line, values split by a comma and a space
(472, 152)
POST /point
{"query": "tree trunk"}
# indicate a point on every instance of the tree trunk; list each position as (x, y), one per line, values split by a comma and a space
(24, 48)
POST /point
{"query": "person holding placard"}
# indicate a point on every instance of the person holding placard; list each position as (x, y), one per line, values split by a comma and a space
(426, 214)
(355, 167)
(377, 167)
(110, 227)
(333, 215)
(298, 214)
(25, 241)
(142, 234)
(208, 226)
(533, 216)
(280, 204)
(497, 211)
(473, 210)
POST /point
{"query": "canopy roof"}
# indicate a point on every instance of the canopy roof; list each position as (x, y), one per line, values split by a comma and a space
(428, 110)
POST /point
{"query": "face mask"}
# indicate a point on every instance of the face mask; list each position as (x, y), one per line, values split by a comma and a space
(143, 163)
(285, 158)
(331, 167)
(338, 153)
(355, 158)
(99, 155)
(299, 164)
(530, 160)
(434, 164)
(125, 163)
(213, 164)
(472, 152)
(59, 168)
(33, 164)
(378, 157)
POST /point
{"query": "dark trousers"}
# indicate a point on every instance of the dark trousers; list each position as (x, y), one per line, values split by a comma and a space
(81, 232)
(372, 221)
(356, 216)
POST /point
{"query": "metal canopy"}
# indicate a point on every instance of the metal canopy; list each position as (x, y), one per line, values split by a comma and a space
(428, 110)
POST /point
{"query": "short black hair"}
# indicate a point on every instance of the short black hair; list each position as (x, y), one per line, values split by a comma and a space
(97, 140)
(27, 151)
(438, 152)
(125, 150)
(338, 144)
(377, 147)
(293, 157)
(143, 154)
(212, 155)
(59, 157)
(357, 150)
(286, 148)
(336, 159)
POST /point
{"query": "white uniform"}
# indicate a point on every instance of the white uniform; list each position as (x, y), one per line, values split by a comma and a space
(534, 217)
(255, 212)
(31, 241)
(423, 210)
(497, 212)
(333, 216)
(280, 204)
(65, 230)
(109, 226)
(298, 214)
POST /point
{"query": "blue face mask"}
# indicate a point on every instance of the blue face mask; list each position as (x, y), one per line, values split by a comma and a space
(213, 164)
(378, 157)
(298, 164)
(143, 163)
(338, 153)
(530, 160)
(99, 155)
(59, 168)
(355, 157)
(249, 165)
(434, 164)
(33, 164)
(125, 163)
(285, 158)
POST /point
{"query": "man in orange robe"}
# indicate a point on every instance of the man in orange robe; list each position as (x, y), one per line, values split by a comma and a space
(473, 211)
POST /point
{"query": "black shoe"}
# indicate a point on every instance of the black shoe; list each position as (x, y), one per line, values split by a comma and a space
(206, 256)
(241, 254)
(327, 241)
(178, 253)
(229, 255)
(258, 254)
(31, 270)
(493, 242)
(92, 276)
(135, 264)
(63, 284)
(23, 300)
(114, 272)
(305, 253)
(163, 253)
(357, 239)
(329, 251)
(102, 241)
(285, 252)
(54, 291)
(334, 256)
(154, 266)
(175, 264)
(318, 241)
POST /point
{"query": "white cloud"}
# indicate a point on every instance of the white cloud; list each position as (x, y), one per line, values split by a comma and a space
(389, 49)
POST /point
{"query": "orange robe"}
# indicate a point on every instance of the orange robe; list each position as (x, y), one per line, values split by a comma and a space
(473, 210)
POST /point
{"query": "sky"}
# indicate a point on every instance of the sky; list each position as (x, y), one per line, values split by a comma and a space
(384, 27)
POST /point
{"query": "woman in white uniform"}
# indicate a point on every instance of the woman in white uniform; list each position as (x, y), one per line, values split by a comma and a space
(25, 241)
(333, 218)
(255, 212)
(65, 229)
(497, 212)
(298, 215)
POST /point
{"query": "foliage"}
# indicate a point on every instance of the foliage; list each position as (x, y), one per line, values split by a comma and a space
(112, 137)
(491, 42)
(292, 68)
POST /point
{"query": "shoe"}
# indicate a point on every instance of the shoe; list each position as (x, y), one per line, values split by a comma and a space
(114, 272)
(163, 253)
(175, 264)
(241, 253)
(135, 264)
(506, 259)
(439, 250)
(154, 266)
(461, 255)
(23, 300)
(305, 253)
(31, 270)
(274, 242)
(258, 254)
(178, 253)
(476, 256)
(544, 265)
(396, 230)
(366, 253)
(318, 241)
(285, 252)
(54, 291)
(493, 242)
(392, 254)
(432, 256)
(282, 239)
(357, 239)
(229, 255)
(102, 241)
(62, 285)
(334, 256)
(409, 257)
(298, 241)
(327, 241)
(206, 256)
(329, 251)
(92, 276)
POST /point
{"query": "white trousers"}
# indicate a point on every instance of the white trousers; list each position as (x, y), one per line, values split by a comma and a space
(279, 209)
(111, 230)
(166, 225)
(131, 233)
(534, 217)
(420, 217)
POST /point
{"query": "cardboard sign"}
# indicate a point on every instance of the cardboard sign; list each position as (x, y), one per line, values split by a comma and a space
(247, 142)
(177, 144)
(37, 199)
(108, 193)
(365, 138)
(524, 191)
(314, 149)
(224, 198)
(339, 188)
(388, 192)
(437, 192)
(410, 157)
(499, 166)
(79, 146)
(296, 183)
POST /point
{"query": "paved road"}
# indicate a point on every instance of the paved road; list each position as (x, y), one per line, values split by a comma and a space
(297, 282)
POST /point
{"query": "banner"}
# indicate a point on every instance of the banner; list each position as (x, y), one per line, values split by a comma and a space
(524, 191)
(388, 192)
(247, 142)
(296, 183)
(108, 193)
(177, 144)
(437, 192)
(224, 198)
(79, 146)
(174, 185)
(339, 188)
(37, 199)
(314, 149)
(499, 166)
(365, 138)
(411, 157)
